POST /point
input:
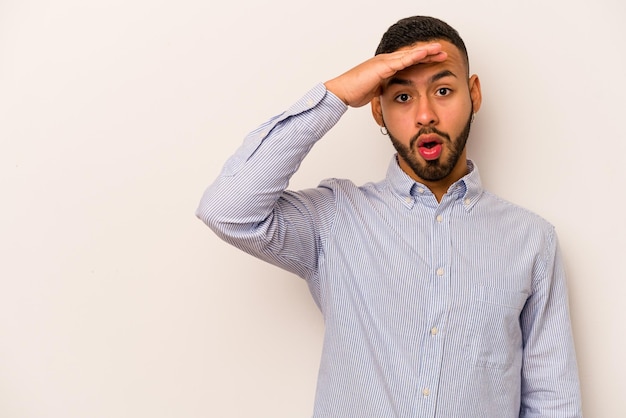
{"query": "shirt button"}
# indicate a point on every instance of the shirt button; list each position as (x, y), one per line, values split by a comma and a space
(426, 392)
(434, 331)
(421, 190)
(408, 199)
(439, 218)
(466, 202)
(439, 272)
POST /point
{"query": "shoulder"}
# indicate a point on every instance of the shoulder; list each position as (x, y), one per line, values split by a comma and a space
(515, 218)
(513, 209)
(347, 189)
(507, 211)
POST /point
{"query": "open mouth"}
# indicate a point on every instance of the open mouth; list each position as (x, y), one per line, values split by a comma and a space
(430, 147)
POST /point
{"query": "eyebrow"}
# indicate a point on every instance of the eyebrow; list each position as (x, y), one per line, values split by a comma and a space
(433, 79)
(442, 74)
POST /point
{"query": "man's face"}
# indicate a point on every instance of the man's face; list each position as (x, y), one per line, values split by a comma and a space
(427, 111)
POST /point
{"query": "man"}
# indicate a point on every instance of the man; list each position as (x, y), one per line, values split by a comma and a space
(439, 298)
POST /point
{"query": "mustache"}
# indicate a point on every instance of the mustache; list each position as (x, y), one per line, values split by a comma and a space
(428, 130)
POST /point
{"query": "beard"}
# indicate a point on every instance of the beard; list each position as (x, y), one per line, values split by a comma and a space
(438, 169)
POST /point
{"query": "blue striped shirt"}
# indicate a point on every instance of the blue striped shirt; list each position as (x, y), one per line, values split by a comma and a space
(448, 309)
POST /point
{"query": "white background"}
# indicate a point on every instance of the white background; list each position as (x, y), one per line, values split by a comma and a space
(115, 301)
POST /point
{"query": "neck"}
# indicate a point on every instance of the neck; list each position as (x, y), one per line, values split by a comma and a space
(441, 187)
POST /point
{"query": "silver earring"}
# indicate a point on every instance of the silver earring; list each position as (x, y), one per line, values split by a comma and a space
(473, 116)
(383, 130)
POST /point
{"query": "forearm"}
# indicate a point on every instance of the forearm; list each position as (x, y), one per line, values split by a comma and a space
(244, 195)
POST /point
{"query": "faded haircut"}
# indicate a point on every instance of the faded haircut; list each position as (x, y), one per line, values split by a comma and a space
(411, 30)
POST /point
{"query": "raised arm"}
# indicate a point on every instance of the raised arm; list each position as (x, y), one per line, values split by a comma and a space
(248, 205)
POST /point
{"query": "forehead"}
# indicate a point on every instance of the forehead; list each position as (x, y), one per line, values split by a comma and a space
(455, 63)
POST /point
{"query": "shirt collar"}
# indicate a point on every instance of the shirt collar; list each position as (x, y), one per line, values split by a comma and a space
(467, 189)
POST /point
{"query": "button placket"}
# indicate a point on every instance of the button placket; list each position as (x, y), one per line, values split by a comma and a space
(440, 294)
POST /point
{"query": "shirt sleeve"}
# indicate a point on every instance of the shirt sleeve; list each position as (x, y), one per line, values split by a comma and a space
(248, 205)
(550, 385)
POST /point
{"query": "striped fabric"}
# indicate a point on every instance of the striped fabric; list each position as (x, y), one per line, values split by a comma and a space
(451, 309)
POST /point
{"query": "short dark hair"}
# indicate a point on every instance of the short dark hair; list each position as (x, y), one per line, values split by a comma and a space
(410, 30)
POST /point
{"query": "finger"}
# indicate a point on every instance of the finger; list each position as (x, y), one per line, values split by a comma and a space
(439, 57)
(425, 53)
(420, 54)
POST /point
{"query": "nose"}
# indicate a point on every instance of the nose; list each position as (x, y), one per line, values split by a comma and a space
(426, 114)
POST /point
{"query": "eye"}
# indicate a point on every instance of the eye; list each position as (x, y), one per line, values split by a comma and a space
(443, 91)
(403, 98)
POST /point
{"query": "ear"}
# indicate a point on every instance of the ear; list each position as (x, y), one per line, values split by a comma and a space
(377, 111)
(475, 93)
